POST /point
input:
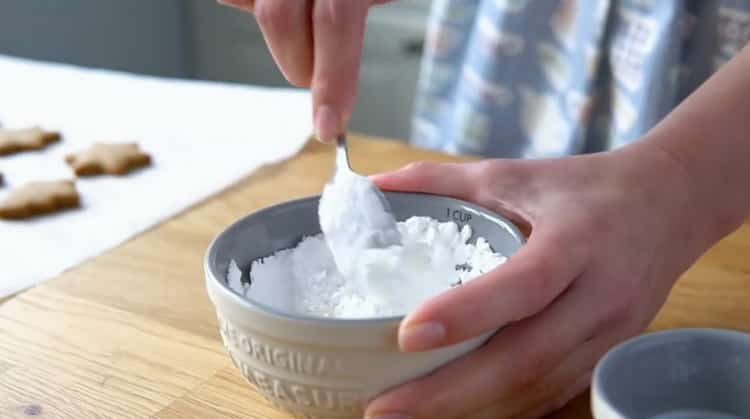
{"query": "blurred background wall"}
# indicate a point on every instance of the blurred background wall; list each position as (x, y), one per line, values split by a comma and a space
(199, 39)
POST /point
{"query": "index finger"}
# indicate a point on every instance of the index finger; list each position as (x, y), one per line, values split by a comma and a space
(338, 31)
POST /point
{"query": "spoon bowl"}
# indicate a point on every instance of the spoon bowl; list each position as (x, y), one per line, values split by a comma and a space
(342, 164)
(354, 214)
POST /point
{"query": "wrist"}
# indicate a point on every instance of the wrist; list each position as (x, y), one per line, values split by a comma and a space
(710, 215)
(677, 209)
(705, 138)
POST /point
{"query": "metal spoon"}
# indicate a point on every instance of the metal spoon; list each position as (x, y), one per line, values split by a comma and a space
(342, 163)
(363, 216)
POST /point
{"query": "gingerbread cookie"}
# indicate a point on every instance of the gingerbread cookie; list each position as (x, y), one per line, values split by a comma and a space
(109, 158)
(34, 138)
(36, 198)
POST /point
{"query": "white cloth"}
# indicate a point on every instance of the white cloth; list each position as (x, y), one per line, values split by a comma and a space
(202, 137)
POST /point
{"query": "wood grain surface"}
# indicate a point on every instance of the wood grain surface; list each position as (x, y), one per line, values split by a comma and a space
(131, 333)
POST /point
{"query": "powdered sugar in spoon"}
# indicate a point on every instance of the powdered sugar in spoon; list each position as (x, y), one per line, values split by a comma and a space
(354, 213)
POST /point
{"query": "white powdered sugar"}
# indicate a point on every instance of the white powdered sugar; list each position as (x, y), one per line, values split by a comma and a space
(433, 257)
(234, 278)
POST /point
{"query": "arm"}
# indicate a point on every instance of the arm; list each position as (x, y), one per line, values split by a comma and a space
(708, 138)
(611, 233)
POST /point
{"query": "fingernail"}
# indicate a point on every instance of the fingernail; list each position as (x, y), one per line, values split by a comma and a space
(389, 416)
(422, 336)
(327, 124)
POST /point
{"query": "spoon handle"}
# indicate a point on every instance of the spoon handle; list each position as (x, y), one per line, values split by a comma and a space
(342, 153)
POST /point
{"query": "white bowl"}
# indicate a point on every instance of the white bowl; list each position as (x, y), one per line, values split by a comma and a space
(321, 367)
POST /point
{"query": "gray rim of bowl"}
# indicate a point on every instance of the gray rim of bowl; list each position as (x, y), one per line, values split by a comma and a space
(255, 305)
(663, 334)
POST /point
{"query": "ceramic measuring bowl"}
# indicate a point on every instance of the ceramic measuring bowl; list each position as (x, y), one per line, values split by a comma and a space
(316, 367)
(677, 374)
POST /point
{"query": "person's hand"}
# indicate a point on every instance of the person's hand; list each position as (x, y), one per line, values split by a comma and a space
(610, 233)
(316, 44)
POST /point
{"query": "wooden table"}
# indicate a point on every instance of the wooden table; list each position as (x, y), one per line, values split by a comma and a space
(131, 333)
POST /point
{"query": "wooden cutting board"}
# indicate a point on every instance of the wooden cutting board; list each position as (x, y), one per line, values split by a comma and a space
(131, 333)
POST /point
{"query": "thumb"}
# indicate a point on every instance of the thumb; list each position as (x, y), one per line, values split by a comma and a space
(457, 180)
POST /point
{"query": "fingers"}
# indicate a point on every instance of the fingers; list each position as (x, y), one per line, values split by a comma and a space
(338, 31)
(583, 360)
(287, 29)
(458, 180)
(559, 387)
(509, 367)
(316, 43)
(530, 280)
(557, 392)
(551, 404)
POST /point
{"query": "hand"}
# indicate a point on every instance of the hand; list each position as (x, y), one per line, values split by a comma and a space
(610, 233)
(316, 44)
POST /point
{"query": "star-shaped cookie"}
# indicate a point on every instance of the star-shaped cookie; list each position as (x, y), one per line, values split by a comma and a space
(36, 198)
(109, 158)
(34, 138)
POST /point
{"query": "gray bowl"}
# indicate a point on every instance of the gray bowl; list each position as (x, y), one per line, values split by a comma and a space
(316, 367)
(682, 373)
